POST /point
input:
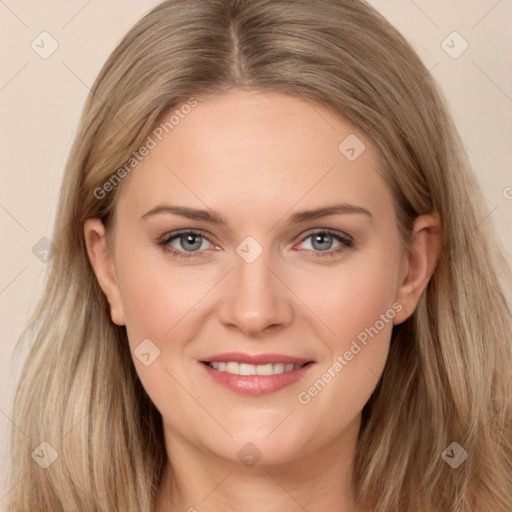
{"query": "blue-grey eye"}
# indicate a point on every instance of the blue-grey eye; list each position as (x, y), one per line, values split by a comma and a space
(190, 241)
(322, 241)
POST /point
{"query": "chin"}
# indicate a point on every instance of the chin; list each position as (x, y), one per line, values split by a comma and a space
(253, 449)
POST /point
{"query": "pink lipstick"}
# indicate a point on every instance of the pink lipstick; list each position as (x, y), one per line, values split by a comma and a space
(257, 374)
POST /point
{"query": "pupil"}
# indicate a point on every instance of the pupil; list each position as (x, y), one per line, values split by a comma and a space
(190, 240)
(322, 238)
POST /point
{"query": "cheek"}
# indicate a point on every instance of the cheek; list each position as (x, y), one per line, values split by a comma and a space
(359, 306)
(157, 292)
(353, 297)
(356, 300)
(158, 300)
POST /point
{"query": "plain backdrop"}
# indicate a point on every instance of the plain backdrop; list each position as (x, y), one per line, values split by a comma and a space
(41, 100)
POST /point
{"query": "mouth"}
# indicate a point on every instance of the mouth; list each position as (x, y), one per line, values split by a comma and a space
(255, 374)
(235, 368)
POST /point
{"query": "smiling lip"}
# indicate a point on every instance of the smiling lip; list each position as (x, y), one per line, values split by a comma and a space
(240, 357)
(256, 385)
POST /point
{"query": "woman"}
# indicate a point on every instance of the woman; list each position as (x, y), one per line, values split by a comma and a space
(199, 348)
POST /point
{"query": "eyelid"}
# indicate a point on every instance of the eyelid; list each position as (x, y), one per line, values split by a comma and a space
(205, 234)
(345, 239)
(168, 237)
(329, 231)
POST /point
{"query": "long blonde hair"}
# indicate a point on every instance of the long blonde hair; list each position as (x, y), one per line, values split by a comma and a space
(448, 375)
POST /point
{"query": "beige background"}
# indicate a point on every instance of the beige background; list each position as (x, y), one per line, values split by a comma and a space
(41, 100)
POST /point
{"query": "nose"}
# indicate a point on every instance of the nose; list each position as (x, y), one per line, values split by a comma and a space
(255, 298)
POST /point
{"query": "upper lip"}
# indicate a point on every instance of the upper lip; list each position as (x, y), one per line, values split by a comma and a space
(257, 359)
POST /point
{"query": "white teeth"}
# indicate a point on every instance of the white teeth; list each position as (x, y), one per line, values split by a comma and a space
(254, 369)
(278, 368)
(232, 367)
(265, 369)
(243, 368)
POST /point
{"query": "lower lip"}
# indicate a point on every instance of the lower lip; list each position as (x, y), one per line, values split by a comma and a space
(256, 385)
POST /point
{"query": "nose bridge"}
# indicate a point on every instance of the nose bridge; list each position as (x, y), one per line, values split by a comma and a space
(256, 298)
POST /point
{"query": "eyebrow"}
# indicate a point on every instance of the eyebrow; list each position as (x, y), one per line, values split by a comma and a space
(216, 218)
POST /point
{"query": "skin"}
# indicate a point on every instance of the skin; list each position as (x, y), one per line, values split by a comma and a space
(257, 158)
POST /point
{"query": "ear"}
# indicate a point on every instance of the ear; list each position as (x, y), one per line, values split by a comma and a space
(418, 264)
(103, 266)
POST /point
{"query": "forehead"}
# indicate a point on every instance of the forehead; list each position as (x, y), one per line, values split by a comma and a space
(256, 152)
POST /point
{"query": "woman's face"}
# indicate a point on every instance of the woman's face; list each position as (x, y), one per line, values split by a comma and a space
(269, 286)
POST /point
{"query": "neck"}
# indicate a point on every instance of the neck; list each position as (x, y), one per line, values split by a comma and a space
(197, 480)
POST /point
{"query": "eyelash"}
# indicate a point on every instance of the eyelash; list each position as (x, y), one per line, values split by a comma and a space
(346, 243)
